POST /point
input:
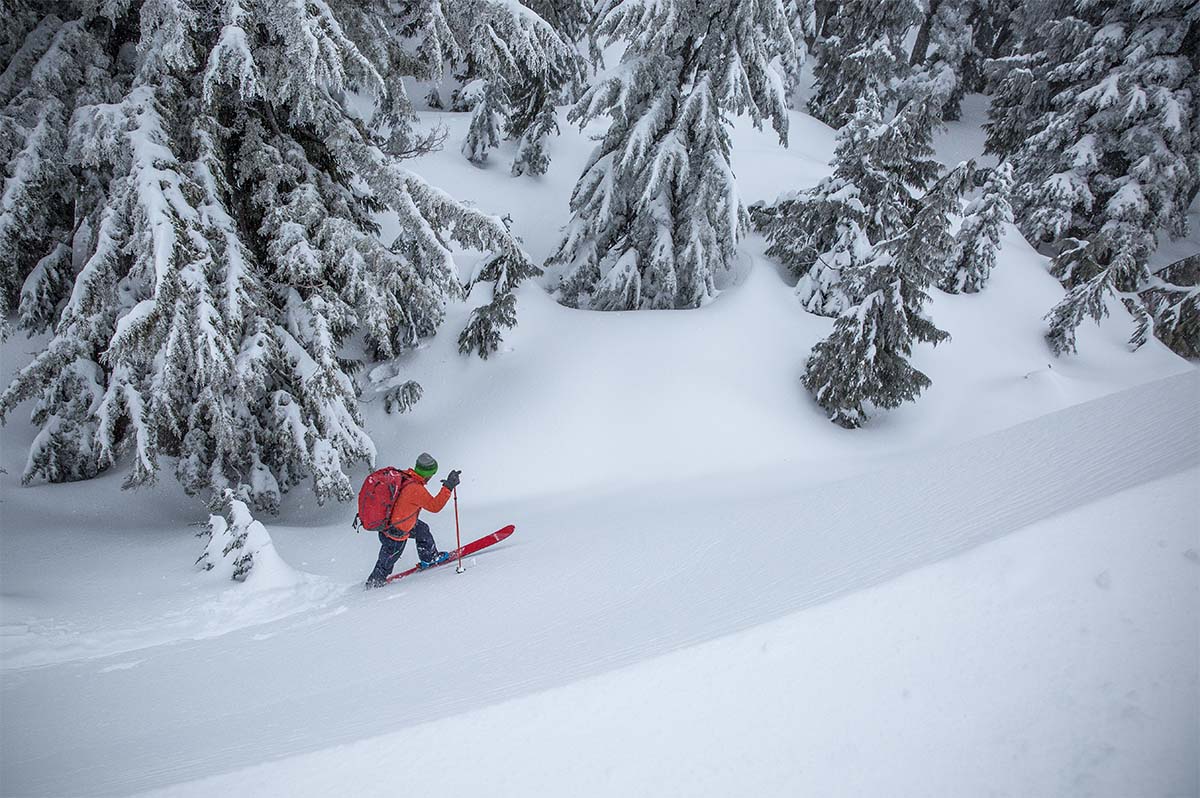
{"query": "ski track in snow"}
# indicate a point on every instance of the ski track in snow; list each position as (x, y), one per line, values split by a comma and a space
(554, 605)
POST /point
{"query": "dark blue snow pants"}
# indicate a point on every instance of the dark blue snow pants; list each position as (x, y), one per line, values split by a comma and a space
(390, 551)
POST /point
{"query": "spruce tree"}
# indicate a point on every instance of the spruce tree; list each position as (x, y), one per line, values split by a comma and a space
(955, 41)
(1172, 300)
(573, 21)
(862, 53)
(1013, 99)
(993, 36)
(531, 157)
(1102, 133)
(656, 216)
(486, 100)
(215, 246)
(517, 66)
(863, 364)
(483, 332)
(569, 17)
(941, 53)
(235, 543)
(1043, 34)
(802, 20)
(824, 234)
(978, 238)
(51, 63)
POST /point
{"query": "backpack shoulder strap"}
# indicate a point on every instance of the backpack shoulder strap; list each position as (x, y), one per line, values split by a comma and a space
(403, 481)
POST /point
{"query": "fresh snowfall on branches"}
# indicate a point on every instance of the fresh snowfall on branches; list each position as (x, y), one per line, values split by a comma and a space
(196, 194)
(190, 213)
(656, 215)
(597, 398)
(867, 243)
(1094, 118)
(1097, 110)
(511, 68)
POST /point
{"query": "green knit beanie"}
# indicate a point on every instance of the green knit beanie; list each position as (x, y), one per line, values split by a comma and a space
(426, 465)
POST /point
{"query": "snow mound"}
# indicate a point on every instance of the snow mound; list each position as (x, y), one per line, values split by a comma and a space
(241, 549)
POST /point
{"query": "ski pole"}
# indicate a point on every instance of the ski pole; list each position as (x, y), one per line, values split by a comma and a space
(457, 534)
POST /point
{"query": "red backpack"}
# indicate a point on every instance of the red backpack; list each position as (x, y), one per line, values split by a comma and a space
(375, 499)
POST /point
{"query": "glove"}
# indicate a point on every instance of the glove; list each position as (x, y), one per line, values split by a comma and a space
(451, 481)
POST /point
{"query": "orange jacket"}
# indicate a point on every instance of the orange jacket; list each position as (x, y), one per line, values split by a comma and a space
(414, 498)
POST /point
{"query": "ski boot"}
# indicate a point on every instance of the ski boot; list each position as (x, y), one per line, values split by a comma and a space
(441, 557)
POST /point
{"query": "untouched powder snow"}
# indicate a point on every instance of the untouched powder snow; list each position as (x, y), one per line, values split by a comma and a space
(679, 503)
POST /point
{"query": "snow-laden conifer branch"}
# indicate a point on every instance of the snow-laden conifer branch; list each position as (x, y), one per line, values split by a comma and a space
(863, 364)
(513, 66)
(656, 216)
(978, 238)
(861, 54)
(1097, 113)
(220, 246)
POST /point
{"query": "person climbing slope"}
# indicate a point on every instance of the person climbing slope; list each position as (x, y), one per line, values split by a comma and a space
(405, 521)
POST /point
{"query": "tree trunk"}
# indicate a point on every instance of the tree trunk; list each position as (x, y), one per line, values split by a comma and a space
(824, 11)
(921, 46)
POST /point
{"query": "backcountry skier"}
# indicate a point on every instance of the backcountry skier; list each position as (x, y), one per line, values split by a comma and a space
(404, 522)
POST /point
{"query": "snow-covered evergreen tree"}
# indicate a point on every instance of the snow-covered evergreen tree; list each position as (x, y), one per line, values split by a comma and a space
(1172, 301)
(531, 157)
(569, 17)
(993, 28)
(1099, 117)
(517, 65)
(862, 53)
(482, 333)
(978, 239)
(486, 100)
(401, 398)
(51, 62)
(1018, 80)
(802, 20)
(940, 54)
(955, 40)
(573, 21)
(825, 234)
(656, 216)
(863, 364)
(822, 288)
(867, 242)
(215, 246)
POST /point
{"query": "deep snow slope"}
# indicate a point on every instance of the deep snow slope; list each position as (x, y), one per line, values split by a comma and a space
(670, 481)
(1061, 660)
(586, 585)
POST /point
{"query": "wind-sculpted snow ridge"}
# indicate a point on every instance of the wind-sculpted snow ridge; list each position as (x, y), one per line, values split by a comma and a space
(581, 589)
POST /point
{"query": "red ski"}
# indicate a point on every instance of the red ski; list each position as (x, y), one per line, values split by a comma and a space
(465, 551)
